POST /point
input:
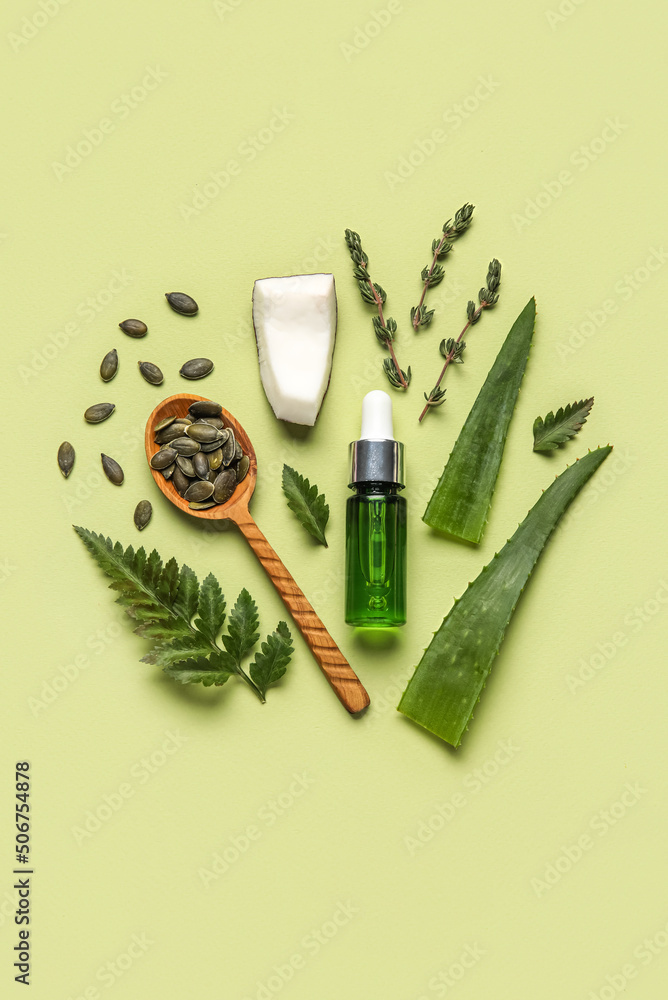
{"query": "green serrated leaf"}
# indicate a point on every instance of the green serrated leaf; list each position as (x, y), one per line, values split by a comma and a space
(449, 679)
(210, 608)
(242, 627)
(270, 663)
(187, 596)
(559, 427)
(200, 670)
(304, 500)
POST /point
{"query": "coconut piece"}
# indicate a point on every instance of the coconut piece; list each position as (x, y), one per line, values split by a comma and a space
(295, 331)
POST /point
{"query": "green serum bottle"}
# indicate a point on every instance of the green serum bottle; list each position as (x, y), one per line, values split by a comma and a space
(376, 521)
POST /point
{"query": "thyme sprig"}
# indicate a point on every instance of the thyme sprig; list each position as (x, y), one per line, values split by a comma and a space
(434, 274)
(452, 350)
(373, 294)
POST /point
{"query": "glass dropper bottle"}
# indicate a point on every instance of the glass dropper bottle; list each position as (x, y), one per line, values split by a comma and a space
(376, 521)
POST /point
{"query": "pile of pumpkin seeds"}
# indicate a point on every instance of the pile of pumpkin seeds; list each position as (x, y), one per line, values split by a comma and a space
(200, 455)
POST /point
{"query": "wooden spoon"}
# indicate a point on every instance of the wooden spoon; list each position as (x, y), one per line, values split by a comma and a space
(331, 660)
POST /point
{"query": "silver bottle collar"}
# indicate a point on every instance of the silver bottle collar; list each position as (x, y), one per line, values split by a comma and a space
(376, 460)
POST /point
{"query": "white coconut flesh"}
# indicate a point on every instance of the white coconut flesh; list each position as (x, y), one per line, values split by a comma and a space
(295, 329)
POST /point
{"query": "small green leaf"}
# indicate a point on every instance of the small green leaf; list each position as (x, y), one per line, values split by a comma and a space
(270, 664)
(305, 501)
(213, 670)
(559, 427)
(188, 594)
(242, 627)
(210, 609)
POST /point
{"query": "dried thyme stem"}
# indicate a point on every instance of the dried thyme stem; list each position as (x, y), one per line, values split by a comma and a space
(433, 275)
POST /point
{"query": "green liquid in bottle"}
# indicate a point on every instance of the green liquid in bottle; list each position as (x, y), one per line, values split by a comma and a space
(376, 556)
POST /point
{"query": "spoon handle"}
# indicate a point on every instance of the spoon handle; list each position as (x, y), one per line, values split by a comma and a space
(345, 682)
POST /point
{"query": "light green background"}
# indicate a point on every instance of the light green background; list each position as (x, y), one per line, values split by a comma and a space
(516, 93)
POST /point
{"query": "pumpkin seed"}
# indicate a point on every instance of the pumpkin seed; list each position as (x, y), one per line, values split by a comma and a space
(238, 452)
(204, 433)
(186, 466)
(204, 408)
(213, 473)
(134, 328)
(182, 303)
(229, 447)
(66, 458)
(151, 372)
(180, 480)
(202, 505)
(163, 458)
(210, 446)
(196, 368)
(216, 459)
(214, 421)
(185, 446)
(99, 412)
(224, 486)
(143, 512)
(109, 366)
(198, 491)
(163, 423)
(201, 465)
(242, 468)
(170, 433)
(169, 471)
(112, 470)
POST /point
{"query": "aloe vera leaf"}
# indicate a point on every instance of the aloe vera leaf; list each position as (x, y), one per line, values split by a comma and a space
(461, 501)
(449, 678)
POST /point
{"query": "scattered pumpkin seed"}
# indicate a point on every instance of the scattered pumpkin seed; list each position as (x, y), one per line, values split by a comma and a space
(182, 303)
(151, 372)
(185, 446)
(186, 466)
(143, 512)
(109, 366)
(243, 466)
(99, 412)
(204, 433)
(204, 408)
(198, 491)
(112, 470)
(196, 368)
(201, 465)
(134, 328)
(66, 458)
(163, 458)
(224, 486)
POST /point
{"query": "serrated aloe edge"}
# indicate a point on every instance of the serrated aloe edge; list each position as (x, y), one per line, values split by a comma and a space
(461, 501)
(449, 678)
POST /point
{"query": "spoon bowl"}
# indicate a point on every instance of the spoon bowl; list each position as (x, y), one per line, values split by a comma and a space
(337, 670)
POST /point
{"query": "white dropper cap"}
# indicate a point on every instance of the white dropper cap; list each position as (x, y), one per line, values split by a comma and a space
(377, 416)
